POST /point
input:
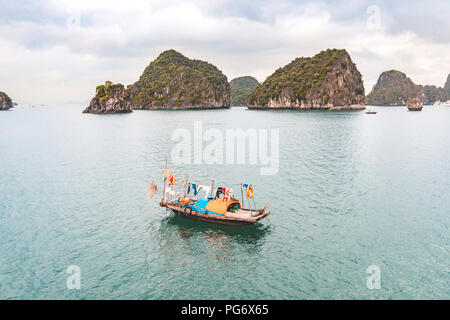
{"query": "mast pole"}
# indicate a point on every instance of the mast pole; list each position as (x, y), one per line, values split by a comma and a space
(164, 184)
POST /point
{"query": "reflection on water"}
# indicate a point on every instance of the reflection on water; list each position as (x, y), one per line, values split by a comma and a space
(181, 237)
(251, 235)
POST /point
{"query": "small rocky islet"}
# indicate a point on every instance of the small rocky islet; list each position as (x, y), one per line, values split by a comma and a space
(329, 80)
(110, 98)
(5, 101)
(394, 88)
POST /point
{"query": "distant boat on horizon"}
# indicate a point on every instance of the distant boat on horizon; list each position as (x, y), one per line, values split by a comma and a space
(414, 105)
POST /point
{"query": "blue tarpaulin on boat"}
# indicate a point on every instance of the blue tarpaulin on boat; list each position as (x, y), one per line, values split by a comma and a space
(201, 204)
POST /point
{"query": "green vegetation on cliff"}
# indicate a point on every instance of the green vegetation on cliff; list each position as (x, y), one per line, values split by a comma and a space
(394, 88)
(173, 80)
(447, 87)
(241, 88)
(110, 98)
(329, 78)
(105, 91)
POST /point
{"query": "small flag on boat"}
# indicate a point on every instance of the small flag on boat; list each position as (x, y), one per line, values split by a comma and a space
(152, 189)
(171, 178)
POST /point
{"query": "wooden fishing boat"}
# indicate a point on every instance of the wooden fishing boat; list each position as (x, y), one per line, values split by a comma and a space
(371, 112)
(217, 206)
(241, 217)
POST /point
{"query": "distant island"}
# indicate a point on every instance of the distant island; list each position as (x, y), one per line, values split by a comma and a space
(110, 98)
(329, 80)
(394, 88)
(5, 101)
(241, 88)
(173, 81)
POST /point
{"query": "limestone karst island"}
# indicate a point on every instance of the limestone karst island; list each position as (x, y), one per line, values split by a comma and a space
(328, 81)
(394, 88)
(110, 98)
(5, 101)
(172, 81)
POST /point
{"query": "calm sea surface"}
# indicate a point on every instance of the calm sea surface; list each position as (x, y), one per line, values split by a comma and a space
(353, 190)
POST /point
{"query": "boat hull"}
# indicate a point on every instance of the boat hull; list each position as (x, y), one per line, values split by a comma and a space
(198, 218)
(217, 219)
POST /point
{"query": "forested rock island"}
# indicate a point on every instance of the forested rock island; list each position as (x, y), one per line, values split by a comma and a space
(394, 88)
(241, 88)
(329, 80)
(174, 81)
(110, 98)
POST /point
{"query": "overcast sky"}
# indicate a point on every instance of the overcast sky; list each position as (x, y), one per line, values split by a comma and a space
(57, 51)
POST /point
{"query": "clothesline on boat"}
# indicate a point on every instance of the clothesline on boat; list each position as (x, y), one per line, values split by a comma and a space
(208, 179)
(211, 190)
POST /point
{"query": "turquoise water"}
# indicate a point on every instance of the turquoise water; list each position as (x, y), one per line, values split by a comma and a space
(353, 190)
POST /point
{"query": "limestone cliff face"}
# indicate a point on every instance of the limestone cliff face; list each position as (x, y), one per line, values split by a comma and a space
(174, 81)
(5, 101)
(110, 98)
(329, 80)
(447, 87)
(442, 95)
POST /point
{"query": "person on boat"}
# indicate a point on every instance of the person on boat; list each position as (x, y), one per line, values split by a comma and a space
(219, 192)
